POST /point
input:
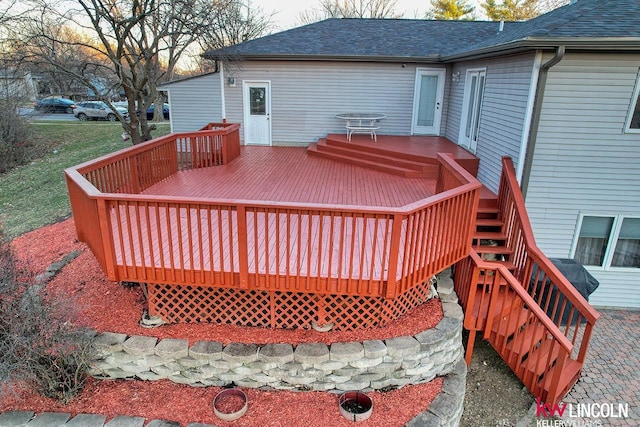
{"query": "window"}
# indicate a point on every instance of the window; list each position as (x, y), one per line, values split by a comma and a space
(608, 241)
(633, 118)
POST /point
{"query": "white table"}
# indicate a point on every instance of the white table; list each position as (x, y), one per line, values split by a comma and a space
(361, 123)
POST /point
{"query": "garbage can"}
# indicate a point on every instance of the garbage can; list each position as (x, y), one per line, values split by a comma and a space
(578, 276)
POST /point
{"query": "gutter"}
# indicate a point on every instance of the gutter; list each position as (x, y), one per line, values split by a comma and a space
(535, 119)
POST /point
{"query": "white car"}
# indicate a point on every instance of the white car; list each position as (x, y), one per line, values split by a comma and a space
(97, 110)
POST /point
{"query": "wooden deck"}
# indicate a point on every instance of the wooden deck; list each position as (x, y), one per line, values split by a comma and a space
(174, 213)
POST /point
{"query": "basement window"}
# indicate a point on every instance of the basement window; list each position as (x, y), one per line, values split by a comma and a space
(608, 242)
(633, 118)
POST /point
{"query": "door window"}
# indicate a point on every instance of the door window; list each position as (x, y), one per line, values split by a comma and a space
(473, 95)
(257, 101)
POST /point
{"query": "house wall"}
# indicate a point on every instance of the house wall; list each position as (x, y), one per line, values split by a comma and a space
(194, 102)
(306, 96)
(584, 162)
(503, 112)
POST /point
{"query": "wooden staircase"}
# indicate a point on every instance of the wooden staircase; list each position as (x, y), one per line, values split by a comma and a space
(494, 285)
(375, 157)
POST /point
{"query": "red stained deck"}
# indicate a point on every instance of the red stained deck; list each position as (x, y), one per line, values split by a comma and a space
(289, 174)
(276, 219)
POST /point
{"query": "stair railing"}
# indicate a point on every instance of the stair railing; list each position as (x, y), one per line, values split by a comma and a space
(519, 329)
(538, 276)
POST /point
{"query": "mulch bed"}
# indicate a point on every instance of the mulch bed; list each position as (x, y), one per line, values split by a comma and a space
(108, 306)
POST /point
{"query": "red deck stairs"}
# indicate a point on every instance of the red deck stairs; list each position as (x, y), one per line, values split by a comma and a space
(374, 157)
(522, 321)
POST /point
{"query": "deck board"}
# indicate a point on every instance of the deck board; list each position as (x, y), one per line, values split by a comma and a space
(288, 174)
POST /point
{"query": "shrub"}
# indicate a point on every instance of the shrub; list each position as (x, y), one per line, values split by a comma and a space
(16, 147)
(39, 343)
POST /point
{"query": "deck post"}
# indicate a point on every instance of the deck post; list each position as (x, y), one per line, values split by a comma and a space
(394, 251)
(107, 240)
(135, 179)
(243, 252)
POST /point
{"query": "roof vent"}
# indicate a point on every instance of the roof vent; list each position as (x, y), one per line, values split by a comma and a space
(501, 27)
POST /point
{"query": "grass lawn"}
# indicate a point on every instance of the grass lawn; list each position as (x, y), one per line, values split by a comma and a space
(35, 194)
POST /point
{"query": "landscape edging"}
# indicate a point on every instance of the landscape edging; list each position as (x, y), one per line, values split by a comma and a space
(366, 366)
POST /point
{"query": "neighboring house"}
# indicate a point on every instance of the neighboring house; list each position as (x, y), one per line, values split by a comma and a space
(558, 94)
(17, 86)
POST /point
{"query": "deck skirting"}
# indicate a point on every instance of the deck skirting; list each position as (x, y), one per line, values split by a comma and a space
(272, 309)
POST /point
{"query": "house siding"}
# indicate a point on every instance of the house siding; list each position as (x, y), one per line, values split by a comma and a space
(306, 96)
(585, 163)
(503, 111)
(194, 102)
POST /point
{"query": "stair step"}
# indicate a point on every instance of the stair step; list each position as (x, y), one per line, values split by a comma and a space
(340, 140)
(510, 324)
(521, 343)
(487, 249)
(489, 235)
(312, 149)
(489, 222)
(505, 263)
(388, 159)
(541, 358)
(568, 377)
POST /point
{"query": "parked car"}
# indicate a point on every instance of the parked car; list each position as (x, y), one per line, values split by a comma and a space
(55, 105)
(98, 110)
(165, 111)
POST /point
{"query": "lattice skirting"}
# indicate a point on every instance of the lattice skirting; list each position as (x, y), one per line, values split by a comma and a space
(187, 303)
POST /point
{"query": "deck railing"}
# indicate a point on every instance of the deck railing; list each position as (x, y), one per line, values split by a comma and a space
(308, 248)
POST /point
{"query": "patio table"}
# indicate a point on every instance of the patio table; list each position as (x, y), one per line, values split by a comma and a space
(361, 123)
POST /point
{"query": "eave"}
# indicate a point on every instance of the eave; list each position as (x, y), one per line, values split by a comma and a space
(627, 44)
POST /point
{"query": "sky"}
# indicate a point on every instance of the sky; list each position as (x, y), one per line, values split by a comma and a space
(288, 10)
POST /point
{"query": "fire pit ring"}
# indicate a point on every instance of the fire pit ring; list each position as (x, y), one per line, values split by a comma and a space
(225, 394)
(355, 405)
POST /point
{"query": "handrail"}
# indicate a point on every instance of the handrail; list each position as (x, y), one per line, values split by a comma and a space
(514, 284)
(399, 230)
(550, 269)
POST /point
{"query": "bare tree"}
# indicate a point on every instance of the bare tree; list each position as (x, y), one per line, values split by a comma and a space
(350, 9)
(139, 42)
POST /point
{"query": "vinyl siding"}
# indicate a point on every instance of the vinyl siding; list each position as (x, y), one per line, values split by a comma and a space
(306, 96)
(503, 113)
(194, 102)
(584, 162)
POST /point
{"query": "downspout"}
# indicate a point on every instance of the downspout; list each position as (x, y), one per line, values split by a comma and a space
(535, 119)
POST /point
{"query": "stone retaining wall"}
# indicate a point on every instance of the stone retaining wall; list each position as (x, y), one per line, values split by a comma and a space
(367, 365)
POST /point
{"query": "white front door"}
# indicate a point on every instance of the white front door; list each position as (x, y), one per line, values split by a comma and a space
(471, 106)
(257, 113)
(427, 101)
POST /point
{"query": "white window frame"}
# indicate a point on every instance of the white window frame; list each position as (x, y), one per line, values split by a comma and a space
(632, 107)
(611, 246)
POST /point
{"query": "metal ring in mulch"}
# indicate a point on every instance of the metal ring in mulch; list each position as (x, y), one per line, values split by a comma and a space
(355, 405)
(225, 404)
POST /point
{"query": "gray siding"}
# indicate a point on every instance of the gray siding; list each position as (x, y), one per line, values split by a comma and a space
(194, 102)
(503, 113)
(584, 162)
(306, 96)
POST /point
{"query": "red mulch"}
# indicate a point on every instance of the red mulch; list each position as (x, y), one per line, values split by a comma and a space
(108, 306)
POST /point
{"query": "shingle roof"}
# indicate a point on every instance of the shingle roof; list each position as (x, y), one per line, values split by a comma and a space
(380, 39)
